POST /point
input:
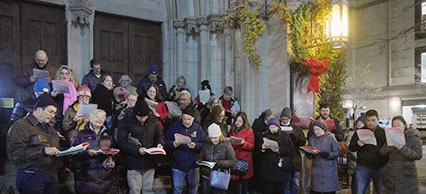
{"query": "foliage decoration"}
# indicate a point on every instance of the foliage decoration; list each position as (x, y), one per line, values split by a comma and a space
(247, 16)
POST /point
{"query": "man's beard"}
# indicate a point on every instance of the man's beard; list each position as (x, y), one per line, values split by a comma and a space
(324, 117)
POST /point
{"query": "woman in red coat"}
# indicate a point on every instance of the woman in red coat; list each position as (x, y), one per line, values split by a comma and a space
(153, 95)
(241, 129)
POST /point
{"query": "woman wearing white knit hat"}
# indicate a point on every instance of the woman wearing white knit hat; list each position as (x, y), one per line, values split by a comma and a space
(216, 150)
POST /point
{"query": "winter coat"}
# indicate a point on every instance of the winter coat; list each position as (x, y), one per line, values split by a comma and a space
(368, 155)
(244, 152)
(104, 99)
(351, 155)
(271, 172)
(184, 158)
(161, 110)
(70, 126)
(23, 108)
(298, 139)
(337, 131)
(89, 174)
(26, 142)
(223, 154)
(91, 81)
(23, 78)
(145, 82)
(401, 171)
(232, 107)
(324, 176)
(149, 134)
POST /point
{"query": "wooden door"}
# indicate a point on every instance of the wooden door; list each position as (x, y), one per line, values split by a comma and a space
(127, 45)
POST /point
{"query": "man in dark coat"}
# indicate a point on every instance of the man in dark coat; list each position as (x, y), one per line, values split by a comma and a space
(332, 124)
(370, 164)
(94, 77)
(25, 79)
(152, 78)
(32, 145)
(140, 130)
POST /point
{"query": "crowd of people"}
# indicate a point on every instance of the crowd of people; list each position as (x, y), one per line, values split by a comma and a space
(263, 157)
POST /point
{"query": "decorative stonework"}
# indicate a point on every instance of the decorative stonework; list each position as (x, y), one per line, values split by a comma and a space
(190, 25)
(213, 21)
(80, 12)
(202, 24)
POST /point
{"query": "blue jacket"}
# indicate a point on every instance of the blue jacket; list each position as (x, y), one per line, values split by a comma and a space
(91, 81)
(184, 158)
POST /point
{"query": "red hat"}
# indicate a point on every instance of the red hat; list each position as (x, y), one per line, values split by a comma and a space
(84, 91)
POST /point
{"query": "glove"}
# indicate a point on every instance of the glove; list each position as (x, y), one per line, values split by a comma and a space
(324, 154)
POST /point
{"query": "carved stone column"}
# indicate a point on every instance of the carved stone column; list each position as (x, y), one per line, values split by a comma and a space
(180, 47)
(216, 76)
(204, 47)
(192, 76)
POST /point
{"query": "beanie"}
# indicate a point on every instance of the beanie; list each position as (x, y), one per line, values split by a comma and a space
(214, 130)
(41, 86)
(84, 91)
(141, 108)
(286, 112)
(153, 69)
(44, 101)
(274, 121)
(205, 85)
(189, 110)
(362, 119)
(319, 124)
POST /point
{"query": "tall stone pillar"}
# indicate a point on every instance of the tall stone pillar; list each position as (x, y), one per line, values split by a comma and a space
(180, 48)
(80, 18)
(204, 48)
(192, 75)
(216, 67)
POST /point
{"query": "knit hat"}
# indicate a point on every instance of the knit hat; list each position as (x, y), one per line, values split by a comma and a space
(214, 130)
(41, 86)
(189, 110)
(125, 78)
(274, 121)
(84, 91)
(141, 108)
(360, 119)
(153, 69)
(319, 124)
(44, 101)
(286, 112)
(205, 84)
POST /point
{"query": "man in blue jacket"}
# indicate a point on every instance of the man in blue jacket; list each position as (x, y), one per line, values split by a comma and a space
(185, 155)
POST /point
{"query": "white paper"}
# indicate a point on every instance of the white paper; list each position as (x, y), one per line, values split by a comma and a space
(41, 73)
(395, 136)
(173, 108)
(61, 87)
(206, 163)
(236, 108)
(182, 139)
(86, 109)
(153, 106)
(270, 143)
(204, 96)
(234, 139)
(367, 136)
(283, 128)
(155, 151)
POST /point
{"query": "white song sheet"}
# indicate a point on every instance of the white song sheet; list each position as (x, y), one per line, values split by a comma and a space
(367, 136)
(395, 136)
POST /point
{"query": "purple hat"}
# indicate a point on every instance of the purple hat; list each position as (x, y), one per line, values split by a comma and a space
(153, 69)
(274, 121)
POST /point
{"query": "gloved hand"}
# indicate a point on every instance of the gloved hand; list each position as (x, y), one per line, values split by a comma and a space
(324, 154)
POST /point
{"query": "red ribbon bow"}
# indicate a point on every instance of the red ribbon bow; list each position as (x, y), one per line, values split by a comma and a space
(316, 67)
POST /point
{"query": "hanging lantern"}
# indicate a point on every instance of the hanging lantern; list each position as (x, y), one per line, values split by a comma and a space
(337, 25)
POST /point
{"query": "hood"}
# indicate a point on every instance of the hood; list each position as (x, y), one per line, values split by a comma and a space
(412, 132)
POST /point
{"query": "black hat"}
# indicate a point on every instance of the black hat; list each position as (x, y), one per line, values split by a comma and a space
(319, 124)
(189, 110)
(44, 101)
(141, 108)
(205, 84)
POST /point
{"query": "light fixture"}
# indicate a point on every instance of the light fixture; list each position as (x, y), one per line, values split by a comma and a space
(337, 25)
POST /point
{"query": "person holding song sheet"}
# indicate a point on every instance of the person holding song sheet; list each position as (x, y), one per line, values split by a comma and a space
(138, 131)
(72, 121)
(104, 98)
(276, 163)
(153, 94)
(90, 173)
(369, 161)
(184, 165)
(401, 171)
(324, 176)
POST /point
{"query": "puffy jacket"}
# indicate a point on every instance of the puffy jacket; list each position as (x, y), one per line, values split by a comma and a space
(269, 159)
(91, 81)
(368, 155)
(244, 152)
(401, 171)
(184, 158)
(324, 174)
(21, 109)
(146, 82)
(223, 154)
(26, 142)
(149, 134)
(89, 174)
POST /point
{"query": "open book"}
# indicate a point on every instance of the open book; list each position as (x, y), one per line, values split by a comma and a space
(367, 136)
(60, 86)
(270, 143)
(235, 140)
(108, 151)
(394, 136)
(309, 149)
(155, 151)
(73, 150)
(206, 163)
(182, 139)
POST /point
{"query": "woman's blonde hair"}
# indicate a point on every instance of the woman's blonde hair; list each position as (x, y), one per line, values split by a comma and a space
(73, 77)
(221, 139)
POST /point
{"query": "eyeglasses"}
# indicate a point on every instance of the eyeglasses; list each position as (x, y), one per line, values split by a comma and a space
(65, 73)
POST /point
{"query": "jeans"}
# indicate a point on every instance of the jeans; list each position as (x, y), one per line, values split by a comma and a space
(240, 186)
(31, 182)
(292, 186)
(140, 180)
(192, 176)
(363, 176)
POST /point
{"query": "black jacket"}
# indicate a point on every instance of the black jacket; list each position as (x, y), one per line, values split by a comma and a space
(146, 82)
(149, 134)
(21, 109)
(104, 99)
(368, 155)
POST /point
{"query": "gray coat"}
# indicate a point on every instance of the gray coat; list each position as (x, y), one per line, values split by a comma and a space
(400, 171)
(324, 176)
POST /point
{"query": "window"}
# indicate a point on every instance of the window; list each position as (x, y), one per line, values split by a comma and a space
(420, 19)
(420, 65)
(423, 68)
